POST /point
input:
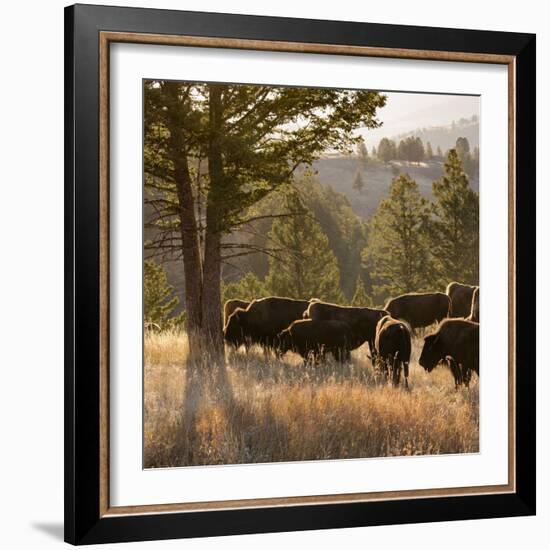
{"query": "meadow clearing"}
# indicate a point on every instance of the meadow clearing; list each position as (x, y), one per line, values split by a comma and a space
(281, 410)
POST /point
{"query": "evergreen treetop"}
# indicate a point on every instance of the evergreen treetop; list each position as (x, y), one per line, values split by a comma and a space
(304, 267)
(455, 224)
(398, 250)
(360, 297)
(159, 301)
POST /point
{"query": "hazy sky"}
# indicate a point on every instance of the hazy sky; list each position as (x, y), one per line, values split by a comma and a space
(407, 111)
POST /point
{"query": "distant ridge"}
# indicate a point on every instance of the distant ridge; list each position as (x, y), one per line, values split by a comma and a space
(339, 172)
(446, 136)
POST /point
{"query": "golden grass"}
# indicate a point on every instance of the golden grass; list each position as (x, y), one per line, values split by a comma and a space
(165, 348)
(282, 411)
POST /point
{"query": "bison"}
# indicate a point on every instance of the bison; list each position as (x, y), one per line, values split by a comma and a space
(456, 342)
(262, 321)
(393, 348)
(312, 339)
(419, 310)
(474, 311)
(361, 320)
(230, 306)
(461, 299)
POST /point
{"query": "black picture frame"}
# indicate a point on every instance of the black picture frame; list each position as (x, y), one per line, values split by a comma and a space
(83, 521)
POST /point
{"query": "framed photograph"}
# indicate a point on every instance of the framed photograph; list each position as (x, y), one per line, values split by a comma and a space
(300, 274)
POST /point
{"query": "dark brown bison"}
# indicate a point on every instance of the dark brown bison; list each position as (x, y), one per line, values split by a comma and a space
(474, 311)
(230, 306)
(419, 310)
(393, 348)
(312, 339)
(461, 299)
(456, 342)
(262, 321)
(361, 320)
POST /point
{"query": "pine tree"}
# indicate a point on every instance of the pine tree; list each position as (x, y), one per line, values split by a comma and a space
(471, 166)
(362, 152)
(410, 149)
(462, 148)
(439, 152)
(360, 297)
(344, 229)
(397, 253)
(402, 152)
(248, 288)
(305, 267)
(387, 150)
(429, 151)
(416, 150)
(374, 153)
(250, 141)
(455, 235)
(358, 181)
(159, 302)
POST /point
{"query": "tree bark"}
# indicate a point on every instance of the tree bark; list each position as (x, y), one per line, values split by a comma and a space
(211, 299)
(190, 248)
(188, 222)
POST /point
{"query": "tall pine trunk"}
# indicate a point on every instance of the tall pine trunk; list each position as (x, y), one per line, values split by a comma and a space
(211, 298)
(192, 267)
(190, 250)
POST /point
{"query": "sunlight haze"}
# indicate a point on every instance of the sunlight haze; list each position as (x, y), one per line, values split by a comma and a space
(406, 112)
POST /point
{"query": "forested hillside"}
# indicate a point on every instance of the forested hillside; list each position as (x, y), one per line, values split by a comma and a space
(311, 235)
(339, 173)
(341, 210)
(344, 228)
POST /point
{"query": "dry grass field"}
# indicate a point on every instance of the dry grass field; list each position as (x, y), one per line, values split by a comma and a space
(282, 411)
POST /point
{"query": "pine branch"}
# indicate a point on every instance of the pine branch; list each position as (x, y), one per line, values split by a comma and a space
(267, 217)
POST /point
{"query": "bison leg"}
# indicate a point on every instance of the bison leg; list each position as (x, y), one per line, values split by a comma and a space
(396, 375)
(396, 370)
(319, 354)
(269, 347)
(313, 356)
(276, 348)
(372, 351)
(456, 371)
(381, 367)
(343, 355)
(406, 374)
(466, 376)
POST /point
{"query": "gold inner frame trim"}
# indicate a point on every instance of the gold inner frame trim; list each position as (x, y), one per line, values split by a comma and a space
(105, 39)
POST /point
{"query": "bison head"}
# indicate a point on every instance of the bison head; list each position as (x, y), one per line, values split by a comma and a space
(234, 330)
(431, 354)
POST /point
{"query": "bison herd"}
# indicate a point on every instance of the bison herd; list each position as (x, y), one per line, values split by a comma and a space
(313, 328)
